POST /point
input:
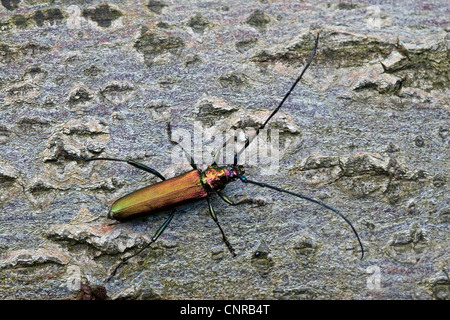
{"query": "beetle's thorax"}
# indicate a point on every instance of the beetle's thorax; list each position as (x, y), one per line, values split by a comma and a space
(215, 177)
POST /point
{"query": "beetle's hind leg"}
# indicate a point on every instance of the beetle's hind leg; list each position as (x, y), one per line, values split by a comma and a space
(154, 238)
(139, 166)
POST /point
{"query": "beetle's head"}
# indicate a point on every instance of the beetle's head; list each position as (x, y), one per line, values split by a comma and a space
(235, 171)
(239, 170)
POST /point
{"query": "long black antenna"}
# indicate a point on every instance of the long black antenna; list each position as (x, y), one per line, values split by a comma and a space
(265, 185)
(248, 141)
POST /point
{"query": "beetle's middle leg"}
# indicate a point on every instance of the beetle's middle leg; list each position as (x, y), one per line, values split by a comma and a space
(225, 198)
(211, 209)
(214, 216)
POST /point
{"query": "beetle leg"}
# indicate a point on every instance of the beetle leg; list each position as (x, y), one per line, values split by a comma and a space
(130, 162)
(218, 152)
(214, 216)
(153, 239)
(225, 198)
(146, 168)
(188, 156)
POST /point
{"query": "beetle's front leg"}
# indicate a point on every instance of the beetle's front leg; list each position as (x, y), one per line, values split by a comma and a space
(130, 162)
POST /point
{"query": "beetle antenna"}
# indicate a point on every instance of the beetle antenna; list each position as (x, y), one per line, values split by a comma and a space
(265, 185)
(248, 141)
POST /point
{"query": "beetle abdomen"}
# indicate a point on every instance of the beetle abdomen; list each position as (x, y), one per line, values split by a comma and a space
(159, 197)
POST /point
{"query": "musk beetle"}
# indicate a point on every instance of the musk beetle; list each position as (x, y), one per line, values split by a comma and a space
(194, 185)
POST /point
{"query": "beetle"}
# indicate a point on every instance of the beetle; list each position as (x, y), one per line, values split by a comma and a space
(194, 185)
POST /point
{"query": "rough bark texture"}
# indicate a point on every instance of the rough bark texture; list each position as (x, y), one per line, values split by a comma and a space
(366, 131)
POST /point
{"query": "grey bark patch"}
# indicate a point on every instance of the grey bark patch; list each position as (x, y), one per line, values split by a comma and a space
(103, 15)
(246, 44)
(52, 16)
(258, 19)
(234, 80)
(81, 95)
(117, 92)
(198, 23)
(11, 4)
(156, 6)
(153, 44)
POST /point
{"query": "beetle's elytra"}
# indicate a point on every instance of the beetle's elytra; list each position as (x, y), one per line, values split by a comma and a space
(172, 193)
